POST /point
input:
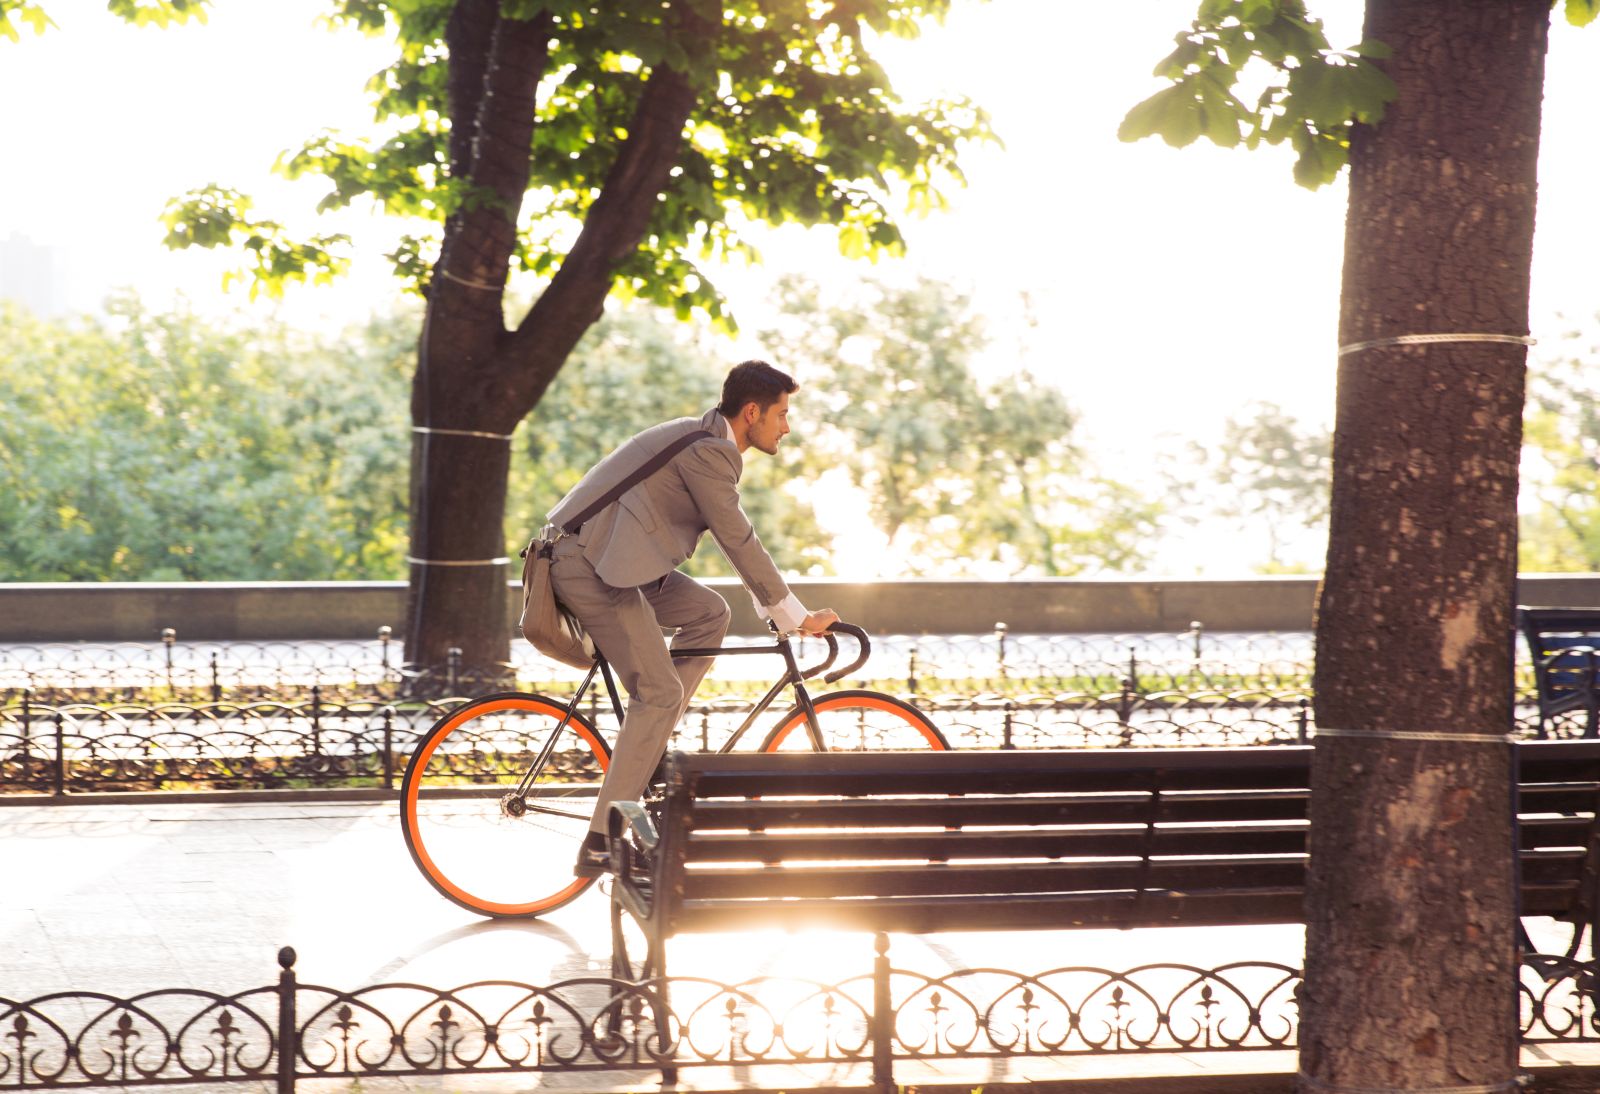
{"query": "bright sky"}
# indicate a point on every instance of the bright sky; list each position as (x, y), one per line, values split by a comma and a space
(1170, 287)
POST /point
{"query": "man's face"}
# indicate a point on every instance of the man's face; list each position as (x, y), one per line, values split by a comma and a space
(770, 428)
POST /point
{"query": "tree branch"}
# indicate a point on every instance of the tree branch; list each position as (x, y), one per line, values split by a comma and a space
(468, 36)
(615, 224)
(481, 235)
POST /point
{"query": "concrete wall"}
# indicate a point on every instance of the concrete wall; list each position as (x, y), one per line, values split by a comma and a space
(106, 612)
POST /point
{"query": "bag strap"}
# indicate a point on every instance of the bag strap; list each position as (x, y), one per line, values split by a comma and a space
(644, 471)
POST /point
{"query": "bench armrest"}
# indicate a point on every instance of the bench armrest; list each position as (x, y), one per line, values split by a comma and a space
(1549, 659)
(633, 840)
(631, 816)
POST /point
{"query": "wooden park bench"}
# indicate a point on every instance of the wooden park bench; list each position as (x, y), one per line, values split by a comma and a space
(903, 842)
(1564, 646)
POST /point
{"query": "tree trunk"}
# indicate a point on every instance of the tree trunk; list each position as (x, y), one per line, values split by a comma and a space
(458, 578)
(475, 377)
(1410, 953)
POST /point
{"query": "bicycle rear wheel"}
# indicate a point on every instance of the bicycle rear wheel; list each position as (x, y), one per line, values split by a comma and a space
(476, 844)
(858, 721)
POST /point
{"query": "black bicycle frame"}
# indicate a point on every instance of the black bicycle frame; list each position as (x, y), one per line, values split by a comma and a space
(792, 677)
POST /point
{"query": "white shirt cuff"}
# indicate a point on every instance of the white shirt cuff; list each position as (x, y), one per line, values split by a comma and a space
(788, 613)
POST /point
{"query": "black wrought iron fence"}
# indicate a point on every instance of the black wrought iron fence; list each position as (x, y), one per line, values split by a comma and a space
(85, 747)
(916, 664)
(290, 1031)
(124, 746)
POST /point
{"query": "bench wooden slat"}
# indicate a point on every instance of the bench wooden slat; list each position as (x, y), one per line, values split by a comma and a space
(979, 809)
(838, 773)
(776, 845)
(1553, 898)
(1551, 867)
(926, 914)
(1534, 833)
(1565, 798)
(900, 879)
(922, 879)
(773, 847)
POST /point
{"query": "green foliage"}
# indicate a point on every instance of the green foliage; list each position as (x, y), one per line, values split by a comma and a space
(795, 121)
(1560, 523)
(957, 471)
(1580, 13)
(216, 216)
(15, 14)
(143, 13)
(634, 370)
(1313, 94)
(159, 13)
(156, 447)
(1275, 475)
(161, 447)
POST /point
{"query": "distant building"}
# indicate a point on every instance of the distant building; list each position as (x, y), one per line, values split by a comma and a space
(27, 274)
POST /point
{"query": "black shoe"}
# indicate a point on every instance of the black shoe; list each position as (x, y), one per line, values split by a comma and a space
(594, 857)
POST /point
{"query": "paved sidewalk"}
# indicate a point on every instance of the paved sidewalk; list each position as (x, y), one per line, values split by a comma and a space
(123, 898)
(161, 894)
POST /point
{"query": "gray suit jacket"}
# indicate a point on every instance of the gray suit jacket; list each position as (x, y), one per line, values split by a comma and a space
(655, 527)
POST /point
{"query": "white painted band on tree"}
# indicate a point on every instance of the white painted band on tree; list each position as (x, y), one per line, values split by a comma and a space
(484, 285)
(1306, 1082)
(457, 561)
(461, 433)
(1417, 735)
(1430, 339)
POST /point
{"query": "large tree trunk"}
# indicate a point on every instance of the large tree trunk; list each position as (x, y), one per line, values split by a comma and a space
(473, 375)
(459, 561)
(459, 465)
(1410, 953)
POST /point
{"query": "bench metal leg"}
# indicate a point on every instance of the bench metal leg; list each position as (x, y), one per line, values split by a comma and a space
(620, 969)
(622, 966)
(651, 976)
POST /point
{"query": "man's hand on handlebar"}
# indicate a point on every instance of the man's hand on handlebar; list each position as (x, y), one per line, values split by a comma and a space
(818, 622)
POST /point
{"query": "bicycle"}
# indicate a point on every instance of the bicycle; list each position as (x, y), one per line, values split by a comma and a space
(493, 811)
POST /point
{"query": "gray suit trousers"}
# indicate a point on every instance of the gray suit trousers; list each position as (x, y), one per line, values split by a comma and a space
(626, 626)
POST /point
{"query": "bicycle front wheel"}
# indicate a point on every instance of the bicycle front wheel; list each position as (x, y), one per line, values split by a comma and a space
(479, 844)
(858, 721)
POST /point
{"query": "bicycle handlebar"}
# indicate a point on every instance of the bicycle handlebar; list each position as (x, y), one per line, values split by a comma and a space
(864, 650)
(833, 655)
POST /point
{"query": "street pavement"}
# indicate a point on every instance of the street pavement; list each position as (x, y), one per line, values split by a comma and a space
(162, 893)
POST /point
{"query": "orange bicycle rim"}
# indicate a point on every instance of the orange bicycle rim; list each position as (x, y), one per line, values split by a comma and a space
(413, 790)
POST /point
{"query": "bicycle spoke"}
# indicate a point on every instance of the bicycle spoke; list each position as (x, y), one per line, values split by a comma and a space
(507, 853)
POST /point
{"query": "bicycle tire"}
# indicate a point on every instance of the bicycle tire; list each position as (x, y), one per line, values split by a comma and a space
(460, 838)
(858, 720)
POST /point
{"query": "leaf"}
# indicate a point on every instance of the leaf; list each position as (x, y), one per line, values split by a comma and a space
(852, 241)
(1580, 13)
(32, 15)
(1368, 89)
(1176, 63)
(1268, 46)
(1374, 50)
(1183, 119)
(1320, 161)
(1253, 12)
(1170, 111)
(1220, 114)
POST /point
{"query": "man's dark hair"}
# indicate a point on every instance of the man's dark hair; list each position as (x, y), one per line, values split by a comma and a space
(753, 382)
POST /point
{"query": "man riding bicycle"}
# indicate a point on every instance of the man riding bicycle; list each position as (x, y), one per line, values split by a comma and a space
(617, 572)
